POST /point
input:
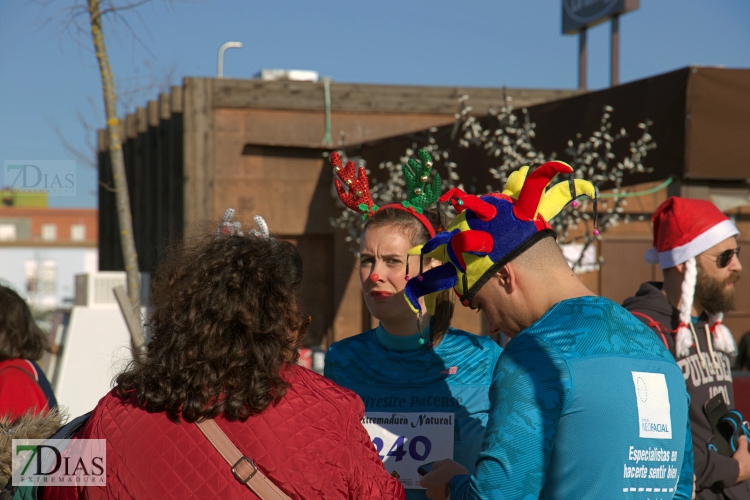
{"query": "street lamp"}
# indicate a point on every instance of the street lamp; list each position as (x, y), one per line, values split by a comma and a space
(222, 49)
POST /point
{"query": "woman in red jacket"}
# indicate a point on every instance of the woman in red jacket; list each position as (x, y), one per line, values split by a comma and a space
(225, 328)
(23, 386)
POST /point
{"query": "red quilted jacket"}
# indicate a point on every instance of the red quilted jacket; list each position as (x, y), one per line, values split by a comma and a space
(311, 445)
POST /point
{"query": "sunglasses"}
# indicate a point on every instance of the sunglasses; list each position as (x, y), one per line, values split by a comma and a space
(725, 257)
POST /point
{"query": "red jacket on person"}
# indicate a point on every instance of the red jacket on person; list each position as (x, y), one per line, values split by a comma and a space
(311, 445)
(19, 391)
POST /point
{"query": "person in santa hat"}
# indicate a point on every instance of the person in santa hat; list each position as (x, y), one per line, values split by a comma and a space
(696, 248)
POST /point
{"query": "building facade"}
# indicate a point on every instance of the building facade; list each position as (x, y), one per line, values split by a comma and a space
(42, 249)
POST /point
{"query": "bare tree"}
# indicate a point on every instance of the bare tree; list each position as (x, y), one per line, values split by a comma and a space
(72, 20)
(131, 92)
(114, 134)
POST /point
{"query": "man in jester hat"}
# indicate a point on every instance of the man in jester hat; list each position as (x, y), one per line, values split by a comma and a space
(590, 403)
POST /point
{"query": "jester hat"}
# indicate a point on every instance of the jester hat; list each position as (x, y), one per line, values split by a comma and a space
(422, 192)
(491, 230)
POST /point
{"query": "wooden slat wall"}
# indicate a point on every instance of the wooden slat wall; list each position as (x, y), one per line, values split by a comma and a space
(198, 150)
(370, 98)
(160, 122)
(175, 199)
(140, 191)
(152, 149)
(110, 251)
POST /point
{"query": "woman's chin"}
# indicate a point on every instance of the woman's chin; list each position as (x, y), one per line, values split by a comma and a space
(379, 311)
(383, 314)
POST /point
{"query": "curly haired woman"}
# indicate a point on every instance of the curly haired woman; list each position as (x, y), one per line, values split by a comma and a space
(225, 329)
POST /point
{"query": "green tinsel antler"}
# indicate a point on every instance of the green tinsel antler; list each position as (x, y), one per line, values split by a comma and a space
(421, 194)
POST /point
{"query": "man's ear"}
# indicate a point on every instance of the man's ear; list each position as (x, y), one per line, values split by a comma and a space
(507, 278)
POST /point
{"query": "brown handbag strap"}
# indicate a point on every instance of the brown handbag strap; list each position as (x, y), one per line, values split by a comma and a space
(243, 468)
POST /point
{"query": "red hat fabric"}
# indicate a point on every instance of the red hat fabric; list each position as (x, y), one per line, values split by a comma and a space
(685, 228)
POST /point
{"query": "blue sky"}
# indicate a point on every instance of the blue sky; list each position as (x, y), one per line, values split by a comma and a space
(48, 77)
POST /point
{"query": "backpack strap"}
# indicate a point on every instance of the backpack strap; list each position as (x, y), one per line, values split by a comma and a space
(46, 387)
(29, 374)
(654, 325)
(33, 374)
(33, 370)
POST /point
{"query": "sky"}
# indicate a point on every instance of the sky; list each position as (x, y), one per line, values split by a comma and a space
(50, 88)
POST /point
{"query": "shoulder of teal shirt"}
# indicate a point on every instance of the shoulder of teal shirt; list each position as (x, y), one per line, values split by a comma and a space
(482, 341)
(476, 357)
(595, 326)
(456, 339)
(452, 337)
(360, 338)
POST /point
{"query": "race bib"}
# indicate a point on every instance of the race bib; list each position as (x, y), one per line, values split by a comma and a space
(407, 440)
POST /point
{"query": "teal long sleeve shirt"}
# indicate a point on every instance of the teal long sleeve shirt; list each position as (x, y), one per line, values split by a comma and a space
(399, 376)
(589, 405)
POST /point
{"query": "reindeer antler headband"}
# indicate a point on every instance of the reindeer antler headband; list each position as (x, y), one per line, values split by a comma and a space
(422, 192)
(229, 227)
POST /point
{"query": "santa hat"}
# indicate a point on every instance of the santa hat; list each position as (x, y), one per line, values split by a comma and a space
(683, 229)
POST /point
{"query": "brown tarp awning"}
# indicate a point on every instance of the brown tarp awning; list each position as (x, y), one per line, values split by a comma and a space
(701, 126)
(718, 124)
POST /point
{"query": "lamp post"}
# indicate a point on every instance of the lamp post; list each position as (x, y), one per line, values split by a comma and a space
(222, 49)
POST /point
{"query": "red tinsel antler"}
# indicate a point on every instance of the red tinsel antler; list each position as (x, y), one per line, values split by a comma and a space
(358, 197)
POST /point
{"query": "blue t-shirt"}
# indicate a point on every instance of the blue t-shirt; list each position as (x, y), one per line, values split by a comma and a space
(590, 405)
(398, 376)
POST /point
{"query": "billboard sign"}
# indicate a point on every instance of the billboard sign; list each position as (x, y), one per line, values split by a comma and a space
(577, 14)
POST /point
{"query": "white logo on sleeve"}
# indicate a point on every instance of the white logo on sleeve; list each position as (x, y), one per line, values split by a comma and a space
(652, 397)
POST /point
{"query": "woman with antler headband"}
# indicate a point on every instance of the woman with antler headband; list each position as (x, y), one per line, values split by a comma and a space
(425, 385)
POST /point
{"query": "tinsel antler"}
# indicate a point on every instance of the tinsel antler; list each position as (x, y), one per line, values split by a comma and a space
(229, 227)
(358, 196)
(417, 176)
(262, 227)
